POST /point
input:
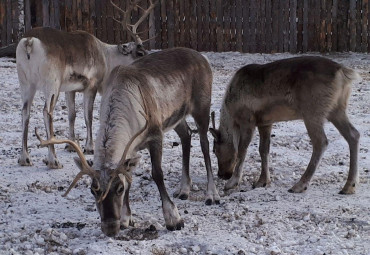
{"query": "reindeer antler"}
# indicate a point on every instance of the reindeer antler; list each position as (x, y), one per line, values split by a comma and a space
(86, 169)
(121, 169)
(132, 4)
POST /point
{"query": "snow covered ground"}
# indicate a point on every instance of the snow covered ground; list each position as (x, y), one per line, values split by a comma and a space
(36, 219)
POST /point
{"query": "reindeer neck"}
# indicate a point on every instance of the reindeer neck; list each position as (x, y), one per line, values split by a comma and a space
(225, 127)
(120, 120)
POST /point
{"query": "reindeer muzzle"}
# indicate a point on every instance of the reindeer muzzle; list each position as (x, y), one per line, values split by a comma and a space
(110, 227)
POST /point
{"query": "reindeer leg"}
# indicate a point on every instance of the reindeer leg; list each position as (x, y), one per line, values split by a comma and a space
(319, 141)
(264, 150)
(27, 98)
(70, 98)
(170, 212)
(89, 97)
(244, 141)
(184, 133)
(52, 161)
(126, 218)
(352, 136)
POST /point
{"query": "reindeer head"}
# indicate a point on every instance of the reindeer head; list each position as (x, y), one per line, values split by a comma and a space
(224, 150)
(109, 185)
(135, 48)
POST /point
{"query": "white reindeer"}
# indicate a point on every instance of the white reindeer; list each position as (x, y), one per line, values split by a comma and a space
(54, 61)
(166, 86)
(314, 89)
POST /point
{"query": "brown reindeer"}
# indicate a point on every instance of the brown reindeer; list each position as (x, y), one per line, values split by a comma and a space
(314, 89)
(166, 86)
(56, 61)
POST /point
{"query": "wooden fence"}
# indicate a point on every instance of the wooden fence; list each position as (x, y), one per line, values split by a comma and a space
(207, 25)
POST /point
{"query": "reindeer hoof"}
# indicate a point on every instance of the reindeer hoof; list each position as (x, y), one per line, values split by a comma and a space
(25, 161)
(348, 189)
(183, 196)
(69, 148)
(178, 226)
(261, 184)
(298, 188)
(53, 164)
(89, 151)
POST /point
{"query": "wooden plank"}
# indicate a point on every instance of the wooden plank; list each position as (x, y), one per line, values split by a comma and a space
(170, 24)
(158, 27)
(293, 26)
(104, 35)
(3, 23)
(98, 21)
(164, 25)
(275, 26)
(253, 25)
(286, 26)
(329, 26)
(213, 25)
(193, 34)
(144, 26)
(51, 14)
(152, 32)
(232, 25)
(281, 26)
(79, 15)
(368, 29)
(8, 22)
(38, 13)
(352, 25)
(268, 25)
(176, 13)
(358, 25)
(246, 31)
(27, 15)
(110, 25)
(334, 20)
(365, 11)
(206, 30)
(45, 13)
(305, 26)
(199, 22)
(239, 26)
(219, 30)
(85, 11)
(322, 31)
(299, 26)
(92, 17)
(262, 27)
(311, 26)
(15, 22)
(343, 25)
(58, 16)
(68, 15)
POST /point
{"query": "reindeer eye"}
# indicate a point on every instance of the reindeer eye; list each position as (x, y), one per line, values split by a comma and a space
(120, 190)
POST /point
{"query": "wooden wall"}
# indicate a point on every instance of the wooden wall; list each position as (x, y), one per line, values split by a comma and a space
(209, 25)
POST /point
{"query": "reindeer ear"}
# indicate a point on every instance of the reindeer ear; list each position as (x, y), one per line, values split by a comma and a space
(125, 49)
(140, 50)
(132, 162)
(216, 134)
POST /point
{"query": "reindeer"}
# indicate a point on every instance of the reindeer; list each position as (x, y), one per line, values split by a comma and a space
(142, 101)
(55, 61)
(314, 89)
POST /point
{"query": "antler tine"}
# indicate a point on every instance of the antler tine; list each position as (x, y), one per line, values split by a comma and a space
(86, 169)
(127, 14)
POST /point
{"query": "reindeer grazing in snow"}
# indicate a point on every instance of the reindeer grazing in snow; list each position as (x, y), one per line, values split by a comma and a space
(314, 89)
(54, 61)
(166, 86)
